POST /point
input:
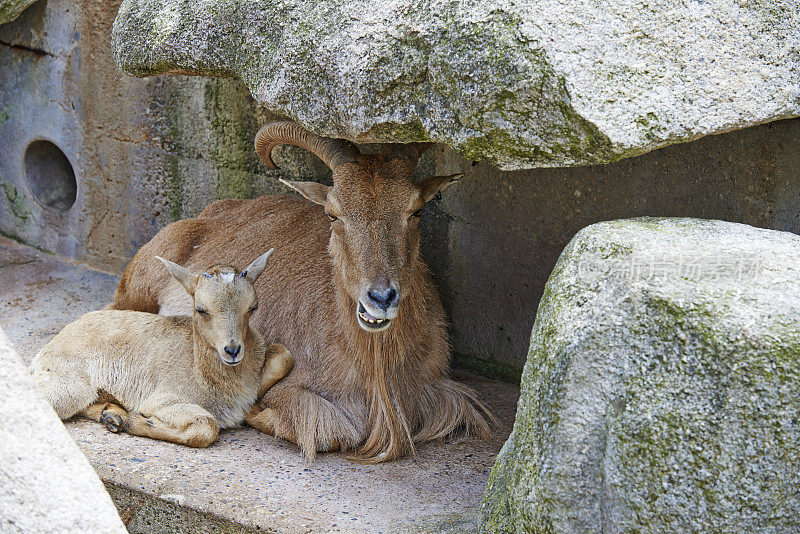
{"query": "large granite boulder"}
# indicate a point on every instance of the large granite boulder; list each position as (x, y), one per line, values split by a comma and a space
(662, 387)
(517, 83)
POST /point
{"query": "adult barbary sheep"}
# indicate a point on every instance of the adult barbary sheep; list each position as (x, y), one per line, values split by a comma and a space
(176, 379)
(357, 307)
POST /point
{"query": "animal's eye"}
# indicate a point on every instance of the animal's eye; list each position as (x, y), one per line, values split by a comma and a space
(417, 213)
(201, 311)
(253, 308)
(331, 217)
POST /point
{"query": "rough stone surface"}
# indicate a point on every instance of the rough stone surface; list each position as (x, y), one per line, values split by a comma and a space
(46, 484)
(661, 388)
(518, 84)
(146, 513)
(143, 152)
(11, 9)
(248, 481)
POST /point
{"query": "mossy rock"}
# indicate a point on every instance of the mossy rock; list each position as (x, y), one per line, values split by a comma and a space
(662, 387)
(11, 9)
(519, 84)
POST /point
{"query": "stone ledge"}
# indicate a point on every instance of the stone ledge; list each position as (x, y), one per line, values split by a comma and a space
(262, 483)
(248, 481)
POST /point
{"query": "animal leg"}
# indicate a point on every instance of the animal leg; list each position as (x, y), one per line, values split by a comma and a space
(264, 420)
(184, 424)
(66, 390)
(450, 406)
(113, 416)
(277, 365)
(303, 417)
(94, 411)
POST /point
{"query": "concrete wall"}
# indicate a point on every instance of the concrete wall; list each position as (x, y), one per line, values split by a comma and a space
(145, 152)
(494, 239)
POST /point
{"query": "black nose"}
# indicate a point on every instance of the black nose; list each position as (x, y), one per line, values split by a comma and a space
(233, 350)
(383, 297)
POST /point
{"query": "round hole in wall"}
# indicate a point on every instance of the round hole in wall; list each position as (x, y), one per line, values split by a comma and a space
(50, 175)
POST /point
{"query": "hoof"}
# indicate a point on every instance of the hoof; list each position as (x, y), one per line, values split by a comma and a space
(113, 422)
(328, 446)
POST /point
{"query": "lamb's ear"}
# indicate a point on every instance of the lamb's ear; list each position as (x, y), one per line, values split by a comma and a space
(316, 193)
(435, 184)
(254, 269)
(183, 275)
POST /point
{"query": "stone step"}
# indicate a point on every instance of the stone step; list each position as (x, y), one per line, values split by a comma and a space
(248, 481)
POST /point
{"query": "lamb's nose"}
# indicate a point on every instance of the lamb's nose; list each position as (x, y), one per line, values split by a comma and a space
(232, 349)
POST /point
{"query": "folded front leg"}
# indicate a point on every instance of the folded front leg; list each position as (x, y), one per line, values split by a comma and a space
(315, 423)
(184, 424)
(277, 365)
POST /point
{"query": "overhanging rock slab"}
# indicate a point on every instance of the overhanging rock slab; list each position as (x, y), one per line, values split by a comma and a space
(11, 9)
(518, 84)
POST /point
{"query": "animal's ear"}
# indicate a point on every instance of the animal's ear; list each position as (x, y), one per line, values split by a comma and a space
(316, 193)
(254, 269)
(183, 275)
(435, 184)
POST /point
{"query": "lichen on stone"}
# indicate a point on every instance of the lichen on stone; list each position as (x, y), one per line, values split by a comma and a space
(518, 84)
(18, 204)
(660, 391)
(11, 9)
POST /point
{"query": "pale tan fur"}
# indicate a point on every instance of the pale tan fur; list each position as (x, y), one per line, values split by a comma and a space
(372, 392)
(165, 377)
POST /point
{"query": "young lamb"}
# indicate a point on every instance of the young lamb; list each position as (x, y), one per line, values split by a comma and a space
(176, 379)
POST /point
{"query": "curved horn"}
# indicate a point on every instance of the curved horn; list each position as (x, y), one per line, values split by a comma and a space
(410, 152)
(333, 152)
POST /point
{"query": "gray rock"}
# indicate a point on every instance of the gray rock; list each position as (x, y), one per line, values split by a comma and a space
(519, 84)
(46, 483)
(661, 388)
(11, 9)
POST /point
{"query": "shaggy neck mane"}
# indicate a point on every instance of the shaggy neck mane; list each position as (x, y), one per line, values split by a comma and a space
(381, 358)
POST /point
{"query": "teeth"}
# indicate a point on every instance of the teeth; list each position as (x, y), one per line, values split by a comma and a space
(367, 319)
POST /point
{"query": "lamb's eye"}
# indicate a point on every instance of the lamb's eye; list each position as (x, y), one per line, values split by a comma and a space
(254, 308)
(417, 213)
(331, 217)
(201, 311)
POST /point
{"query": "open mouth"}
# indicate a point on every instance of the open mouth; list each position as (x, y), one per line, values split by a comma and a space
(368, 322)
(231, 361)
